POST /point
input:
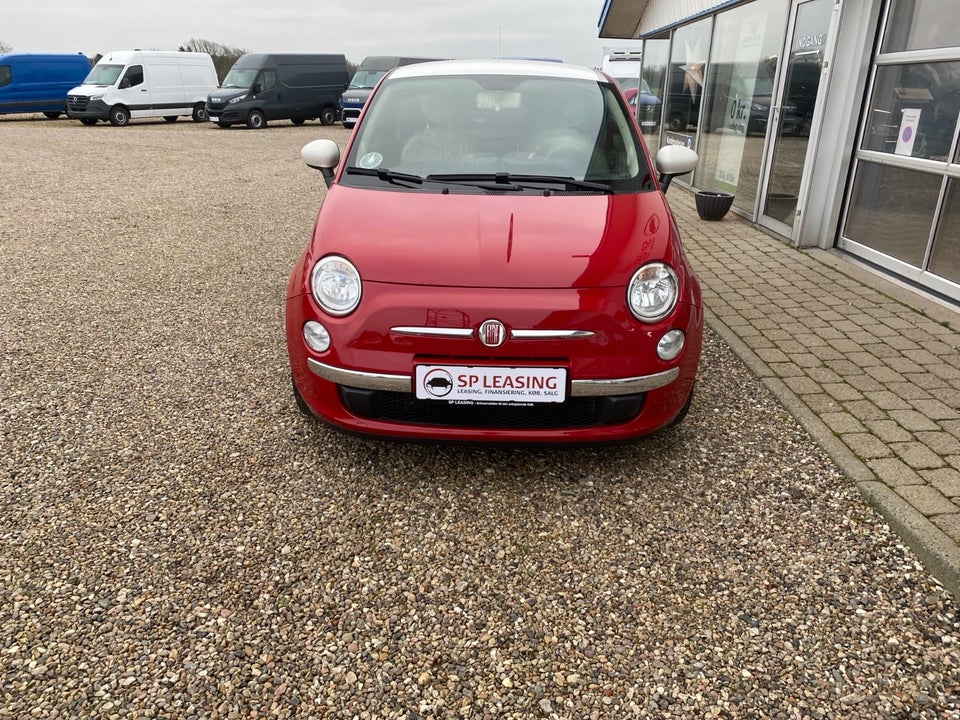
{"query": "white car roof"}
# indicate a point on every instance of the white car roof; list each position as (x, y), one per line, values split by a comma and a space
(539, 68)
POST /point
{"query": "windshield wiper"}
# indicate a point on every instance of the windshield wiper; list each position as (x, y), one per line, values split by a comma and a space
(484, 181)
(384, 174)
(504, 180)
(399, 178)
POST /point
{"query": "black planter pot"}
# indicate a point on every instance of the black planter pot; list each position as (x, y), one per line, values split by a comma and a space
(712, 205)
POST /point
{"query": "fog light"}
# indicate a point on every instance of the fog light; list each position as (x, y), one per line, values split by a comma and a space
(670, 344)
(317, 337)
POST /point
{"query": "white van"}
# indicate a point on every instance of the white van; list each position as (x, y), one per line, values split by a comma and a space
(128, 84)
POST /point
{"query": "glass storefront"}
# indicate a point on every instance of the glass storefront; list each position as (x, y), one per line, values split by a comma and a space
(903, 213)
(750, 87)
(722, 95)
(739, 98)
(656, 58)
(684, 83)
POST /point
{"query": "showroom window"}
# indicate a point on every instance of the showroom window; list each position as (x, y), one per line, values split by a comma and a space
(656, 58)
(921, 25)
(904, 208)
(738, 99)
(685, 79)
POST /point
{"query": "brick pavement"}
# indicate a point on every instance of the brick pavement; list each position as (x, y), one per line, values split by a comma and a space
(869, 367)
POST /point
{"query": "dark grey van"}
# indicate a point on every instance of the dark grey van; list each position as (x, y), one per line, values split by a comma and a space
(264, 87)
(368, 74)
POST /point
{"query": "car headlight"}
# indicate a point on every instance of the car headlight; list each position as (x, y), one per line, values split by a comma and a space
(653, 292)
(237, 99)
(336, 285)
(96, 97)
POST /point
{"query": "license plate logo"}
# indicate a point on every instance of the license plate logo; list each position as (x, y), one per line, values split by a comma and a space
(464, 384)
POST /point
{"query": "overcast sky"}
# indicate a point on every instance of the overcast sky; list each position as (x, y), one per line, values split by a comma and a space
(565, 29)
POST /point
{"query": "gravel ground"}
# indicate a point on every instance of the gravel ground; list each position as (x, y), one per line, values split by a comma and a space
(177, 541)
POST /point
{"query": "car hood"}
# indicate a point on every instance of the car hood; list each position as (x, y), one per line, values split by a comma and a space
(563, 240)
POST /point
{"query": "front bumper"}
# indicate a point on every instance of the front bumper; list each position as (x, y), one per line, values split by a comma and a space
(617, 386)
(350, 114)
(226, 113)
(80, 107)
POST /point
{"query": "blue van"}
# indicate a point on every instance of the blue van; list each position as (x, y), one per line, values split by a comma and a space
(38, 83)
(368, 74)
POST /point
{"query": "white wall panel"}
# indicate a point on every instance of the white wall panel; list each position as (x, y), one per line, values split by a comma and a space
(666, 12)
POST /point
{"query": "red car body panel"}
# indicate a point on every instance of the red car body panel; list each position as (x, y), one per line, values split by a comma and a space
(493, 241)
(560, 262)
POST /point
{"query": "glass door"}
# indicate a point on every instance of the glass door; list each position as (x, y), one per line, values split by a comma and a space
(794, 119)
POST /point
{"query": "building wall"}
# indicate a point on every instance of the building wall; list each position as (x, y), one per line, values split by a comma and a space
(660, 13)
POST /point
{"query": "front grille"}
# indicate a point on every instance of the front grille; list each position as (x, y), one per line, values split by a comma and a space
(77, 102)
(576, 412)
(215, 107)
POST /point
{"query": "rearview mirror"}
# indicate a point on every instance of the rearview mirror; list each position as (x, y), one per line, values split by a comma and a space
(673, 160)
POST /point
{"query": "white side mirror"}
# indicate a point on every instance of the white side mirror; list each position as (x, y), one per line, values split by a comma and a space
(322, 155)
(673, 160)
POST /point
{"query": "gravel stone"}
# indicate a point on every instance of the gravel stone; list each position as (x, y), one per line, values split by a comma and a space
(178, 542)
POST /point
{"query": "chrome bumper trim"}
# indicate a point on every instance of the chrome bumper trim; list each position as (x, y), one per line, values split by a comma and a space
(578, 388)
(514, 334)
(622, 386)
(357, 379)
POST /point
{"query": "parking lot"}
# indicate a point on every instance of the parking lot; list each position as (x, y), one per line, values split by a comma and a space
(178, 541)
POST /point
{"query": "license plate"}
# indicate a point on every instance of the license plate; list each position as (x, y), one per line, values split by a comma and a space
(214, 118)
(465, 384)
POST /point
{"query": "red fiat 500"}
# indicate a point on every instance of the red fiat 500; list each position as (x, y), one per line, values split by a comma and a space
(495, 261)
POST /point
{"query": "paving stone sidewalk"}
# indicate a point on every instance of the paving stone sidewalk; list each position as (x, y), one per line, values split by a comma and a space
(868, 366)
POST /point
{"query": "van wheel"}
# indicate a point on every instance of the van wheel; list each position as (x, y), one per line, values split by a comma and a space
(119, 116)
(170, 118)
(297, 121)
(255, 120)
(328, 116)
(200, 113)
(88, 121)
(52, 115)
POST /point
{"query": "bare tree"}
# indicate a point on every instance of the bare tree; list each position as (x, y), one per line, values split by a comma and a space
(5, 47)
(223, 57)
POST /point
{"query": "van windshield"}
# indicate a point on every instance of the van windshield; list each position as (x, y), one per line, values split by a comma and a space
(366, 79)
(103, 75)
(239, 78)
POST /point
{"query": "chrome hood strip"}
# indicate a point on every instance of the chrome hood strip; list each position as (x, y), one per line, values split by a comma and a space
(549, 334)
(578, 388)
(433, 331)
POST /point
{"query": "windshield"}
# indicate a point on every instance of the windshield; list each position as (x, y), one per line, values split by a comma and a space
(366, 79)
(103, 75)
(240, 78)
(491, 125)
